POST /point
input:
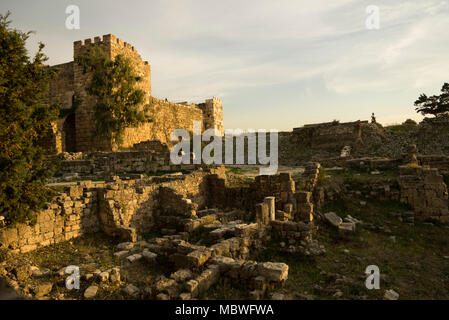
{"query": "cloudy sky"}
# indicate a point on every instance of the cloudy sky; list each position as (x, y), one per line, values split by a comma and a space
(275, 64)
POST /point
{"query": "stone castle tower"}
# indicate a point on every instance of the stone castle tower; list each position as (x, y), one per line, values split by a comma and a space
(74, 132)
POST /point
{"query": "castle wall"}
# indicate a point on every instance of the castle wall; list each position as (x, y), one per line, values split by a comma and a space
(61, 88)
(213, 114)
(142, 68)
(84, 119)
(166, 117)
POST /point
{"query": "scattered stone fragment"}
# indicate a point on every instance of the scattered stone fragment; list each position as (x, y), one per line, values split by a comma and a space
(40, 272)
(42, 289)
(162, 296)
(104, 276)
(88, 276)
(347, 227)
(133, 258)
(277, 296)
(391, 295)
(90, 292)
(131, 290)
(333, 219)
(181, 275)
(273, 271)
(353, 220)
(149, 256)
(121, 254)
(163, 283)
(185, 296)
(115, 275)
(338, 294)
(125, 246)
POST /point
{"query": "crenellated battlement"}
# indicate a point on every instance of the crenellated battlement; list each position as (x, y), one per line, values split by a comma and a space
(107, 41)
(214, 100)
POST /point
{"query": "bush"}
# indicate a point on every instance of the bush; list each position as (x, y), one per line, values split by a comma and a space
(25, 119)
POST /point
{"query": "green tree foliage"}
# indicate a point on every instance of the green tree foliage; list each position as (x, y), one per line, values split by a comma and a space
(119, 102)
(24, 121)
(434, 105)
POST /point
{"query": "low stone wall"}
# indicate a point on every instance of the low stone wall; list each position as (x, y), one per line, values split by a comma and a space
(72, 214)
(223, 262)
(119, 208)
(280, 186)
(379, 189)
(436, 161)
(363, 163)
(424, 189)
(290, 231)
(115, 163)
(331, 134)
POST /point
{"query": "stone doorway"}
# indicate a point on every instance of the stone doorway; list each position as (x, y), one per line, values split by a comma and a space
(69, 134)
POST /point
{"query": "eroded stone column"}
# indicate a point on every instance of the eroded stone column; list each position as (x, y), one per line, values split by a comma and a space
(262, 214)
(271, 203)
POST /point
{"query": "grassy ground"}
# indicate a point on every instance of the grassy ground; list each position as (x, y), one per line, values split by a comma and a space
(90, 253)
(413, 260)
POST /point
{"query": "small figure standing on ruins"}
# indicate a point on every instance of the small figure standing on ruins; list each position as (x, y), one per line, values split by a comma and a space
(373, 118)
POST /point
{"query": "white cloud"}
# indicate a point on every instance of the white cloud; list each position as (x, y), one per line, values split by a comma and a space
(200, 48)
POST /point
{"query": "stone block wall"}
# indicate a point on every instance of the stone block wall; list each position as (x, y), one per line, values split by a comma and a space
(126, 207)
(424, 189)
(114, 163)
(293, 232)
(128, 204)
(166, 117)
(120, 208)
(439, 162)
(72, 214)
(61, 89)
(213, 115)
(85, 112)
(331, 134)
(84, 115)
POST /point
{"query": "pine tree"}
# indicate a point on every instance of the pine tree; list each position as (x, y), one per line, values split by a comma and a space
(119, 103)
(434, 105)
(24, 121)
